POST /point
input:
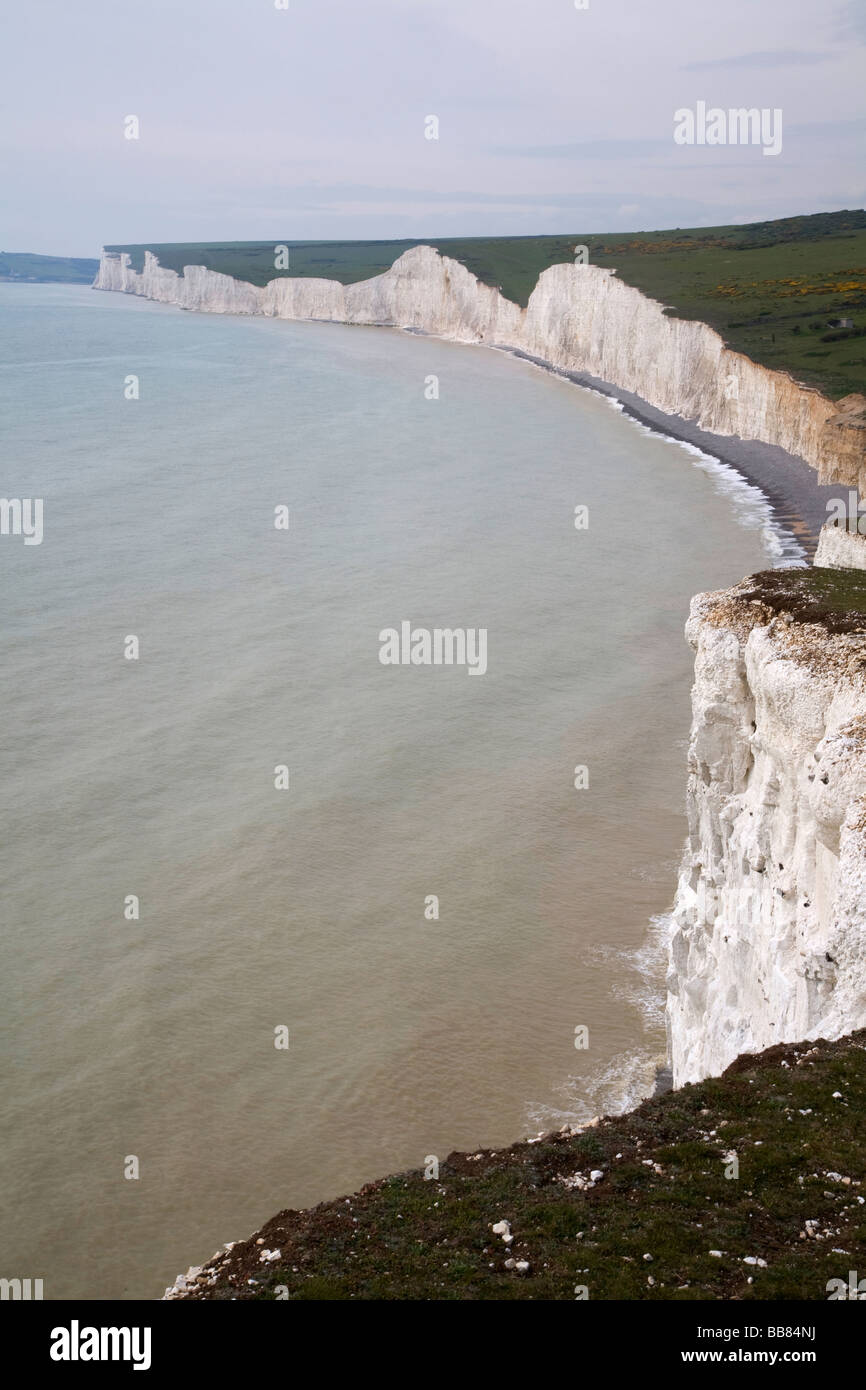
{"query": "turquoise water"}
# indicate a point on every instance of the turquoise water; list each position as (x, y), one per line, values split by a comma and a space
(305, 908)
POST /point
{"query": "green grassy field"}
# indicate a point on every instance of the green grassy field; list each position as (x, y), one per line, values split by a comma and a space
(668, 1217)
(771, 289)
(69, 270)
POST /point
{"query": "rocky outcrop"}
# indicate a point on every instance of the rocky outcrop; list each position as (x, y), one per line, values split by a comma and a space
(843, 444)
(579, 318)
(840, 548)
(422, 290)
(769, 941)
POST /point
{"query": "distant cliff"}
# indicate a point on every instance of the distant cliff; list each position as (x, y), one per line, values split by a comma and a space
(579, 318)
(42, 270)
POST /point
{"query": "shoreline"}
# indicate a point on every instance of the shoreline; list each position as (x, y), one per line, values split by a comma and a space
(788, 484)
(798, 502)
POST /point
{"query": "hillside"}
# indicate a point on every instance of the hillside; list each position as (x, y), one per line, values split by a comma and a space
(660, 1219)
(69, 270)
(773, 290)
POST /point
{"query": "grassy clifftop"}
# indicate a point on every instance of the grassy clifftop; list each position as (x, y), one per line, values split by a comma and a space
(642, 1206)
(773, 290)
(834, 598)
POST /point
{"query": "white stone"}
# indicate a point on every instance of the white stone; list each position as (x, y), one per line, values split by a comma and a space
(769, 938)
(839, 548)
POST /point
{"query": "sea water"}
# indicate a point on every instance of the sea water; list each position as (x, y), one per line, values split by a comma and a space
(278, 918)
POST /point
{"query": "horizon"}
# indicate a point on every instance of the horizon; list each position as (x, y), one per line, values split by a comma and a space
(323, 119)
(433, 236)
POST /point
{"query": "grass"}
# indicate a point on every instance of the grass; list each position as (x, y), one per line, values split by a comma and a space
(794, 1116)
(69, 270)
(771, 289)
(834, 598)
(253, 261)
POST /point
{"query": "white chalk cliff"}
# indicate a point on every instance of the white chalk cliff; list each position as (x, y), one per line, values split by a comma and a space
(769, 942)
(770, 936)
(579, 318)
(839, 547)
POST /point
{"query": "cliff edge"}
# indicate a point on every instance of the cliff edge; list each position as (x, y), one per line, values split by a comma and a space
(747, 1186)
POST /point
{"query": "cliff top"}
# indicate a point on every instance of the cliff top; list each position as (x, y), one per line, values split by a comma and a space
(795, 1116)
(834, 599)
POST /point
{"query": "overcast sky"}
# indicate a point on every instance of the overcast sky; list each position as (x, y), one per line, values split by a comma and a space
(258, 123)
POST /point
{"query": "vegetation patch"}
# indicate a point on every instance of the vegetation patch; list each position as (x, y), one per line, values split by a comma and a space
(746, 1186)
(833, 598)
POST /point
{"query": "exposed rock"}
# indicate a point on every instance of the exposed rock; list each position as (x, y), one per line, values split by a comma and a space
(843, 442)
(769, 942)
(840, 548)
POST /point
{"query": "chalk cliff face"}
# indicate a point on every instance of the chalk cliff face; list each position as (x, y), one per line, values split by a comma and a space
(422, 290)
(579, 318)
(844, 437)
(840, 548)
(769, 943)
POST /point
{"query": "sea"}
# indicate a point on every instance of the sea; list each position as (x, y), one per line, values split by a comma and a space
(278, 918)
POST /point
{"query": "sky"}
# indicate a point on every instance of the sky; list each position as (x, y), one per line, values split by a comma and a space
(266, 123)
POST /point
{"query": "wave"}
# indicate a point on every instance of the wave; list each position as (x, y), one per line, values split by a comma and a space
(752, 506)
(618, 1085)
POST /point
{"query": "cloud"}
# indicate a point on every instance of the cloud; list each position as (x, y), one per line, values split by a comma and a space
(313, 120)
(586, 149)
(771, 58)
(830, 130)
(323, 195)
(852, 21)
(308, 196)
